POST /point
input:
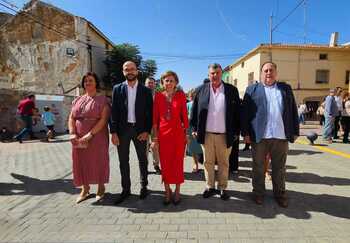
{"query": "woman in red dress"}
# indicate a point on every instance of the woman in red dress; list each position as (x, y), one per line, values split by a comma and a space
(170, 122)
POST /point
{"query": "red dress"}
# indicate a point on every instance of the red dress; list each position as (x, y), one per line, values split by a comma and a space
(91, 164)
(172, 122)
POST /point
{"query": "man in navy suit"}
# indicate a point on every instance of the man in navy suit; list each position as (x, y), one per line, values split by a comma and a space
(269, 121)
(131, 120)
(215, 123)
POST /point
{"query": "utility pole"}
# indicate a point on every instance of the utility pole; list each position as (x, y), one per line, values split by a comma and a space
(304, 21)
(270, 23)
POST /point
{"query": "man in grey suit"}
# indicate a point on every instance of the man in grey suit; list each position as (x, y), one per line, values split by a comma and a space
(269, 121)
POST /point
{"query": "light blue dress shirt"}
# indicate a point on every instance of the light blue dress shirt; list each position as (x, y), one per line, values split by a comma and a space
(274, 126)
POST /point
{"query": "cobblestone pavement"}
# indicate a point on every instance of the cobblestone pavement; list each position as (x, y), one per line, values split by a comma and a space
(37, 202)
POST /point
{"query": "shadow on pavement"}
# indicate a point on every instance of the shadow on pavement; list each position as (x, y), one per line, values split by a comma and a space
(300, 204)
(34, 186)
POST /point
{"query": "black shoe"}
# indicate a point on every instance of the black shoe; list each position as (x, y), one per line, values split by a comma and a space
(124, 195)
(223, 195)
(143, 193)
(157, 169)
(18, 139)
(209, 192)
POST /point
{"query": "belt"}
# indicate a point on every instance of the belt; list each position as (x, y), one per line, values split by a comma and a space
(131, 124)
(216, 133)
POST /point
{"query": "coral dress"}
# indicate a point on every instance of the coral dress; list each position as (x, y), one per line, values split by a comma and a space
(91, 164)
(172, 122)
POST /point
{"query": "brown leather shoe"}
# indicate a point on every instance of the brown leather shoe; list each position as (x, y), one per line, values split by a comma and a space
(258, 199)
(282, 201)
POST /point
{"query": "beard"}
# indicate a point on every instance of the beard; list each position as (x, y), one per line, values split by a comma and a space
(131, 77)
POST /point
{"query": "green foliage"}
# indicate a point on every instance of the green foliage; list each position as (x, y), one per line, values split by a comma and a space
(122, 53)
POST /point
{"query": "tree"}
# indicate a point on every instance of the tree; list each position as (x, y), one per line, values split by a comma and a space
(148, 68)
(122, 53)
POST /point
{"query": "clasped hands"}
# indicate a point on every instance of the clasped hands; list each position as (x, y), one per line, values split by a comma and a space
(141, 137)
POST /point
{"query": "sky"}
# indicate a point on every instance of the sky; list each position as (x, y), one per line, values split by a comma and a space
(187, 35)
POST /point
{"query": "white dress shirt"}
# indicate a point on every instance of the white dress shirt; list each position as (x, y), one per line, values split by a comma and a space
(274, 127)
(216, 110)
(131, 102)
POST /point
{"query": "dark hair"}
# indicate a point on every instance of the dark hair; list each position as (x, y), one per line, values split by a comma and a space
(46, 108)
(30, 96)
(214, 66)
(272, 63)
(167, 74)
(151, 78)
(92, 74)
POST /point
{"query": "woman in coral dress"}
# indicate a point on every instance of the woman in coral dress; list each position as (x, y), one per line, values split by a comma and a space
(170, 122)
(89, 138)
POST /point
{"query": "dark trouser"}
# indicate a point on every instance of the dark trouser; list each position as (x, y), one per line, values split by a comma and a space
(278, 149)
(345, 120)
(336, 126)
(28, 124)
(322, 120)
(234, 156)
(123, 153)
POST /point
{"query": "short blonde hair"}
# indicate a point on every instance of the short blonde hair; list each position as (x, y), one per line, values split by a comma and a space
(167, 74)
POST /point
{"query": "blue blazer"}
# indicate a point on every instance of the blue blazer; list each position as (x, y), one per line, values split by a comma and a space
(143, 109)
(254, 112)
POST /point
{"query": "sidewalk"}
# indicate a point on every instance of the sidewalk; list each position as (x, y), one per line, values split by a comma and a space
(37, 202)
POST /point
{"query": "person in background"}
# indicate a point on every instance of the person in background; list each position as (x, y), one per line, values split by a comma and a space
(330, 113)
(89, 137)
(193, 147)
(48, 118)
(339, 101)
(151, 84)
(170, 122)
(320, 112)
(345, 120)
(25, 110)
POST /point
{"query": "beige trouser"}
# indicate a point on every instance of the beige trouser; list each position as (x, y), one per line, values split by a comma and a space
(215, 150)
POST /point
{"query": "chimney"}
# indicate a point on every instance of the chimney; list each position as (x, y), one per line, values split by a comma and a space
(334, 39)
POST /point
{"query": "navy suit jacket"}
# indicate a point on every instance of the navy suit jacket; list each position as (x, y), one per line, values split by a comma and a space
(199, 112)
(254, 112)
(143, 109)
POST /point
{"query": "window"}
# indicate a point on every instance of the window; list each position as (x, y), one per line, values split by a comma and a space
(322, 76)
(323, 56)
(250, 78)
(70, 52)
(235, 81)
(242, 65)
(347, 74)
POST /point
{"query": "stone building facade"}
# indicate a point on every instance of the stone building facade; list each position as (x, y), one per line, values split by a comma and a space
(46, 50)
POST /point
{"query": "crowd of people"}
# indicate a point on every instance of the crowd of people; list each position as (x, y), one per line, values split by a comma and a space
(163, 122)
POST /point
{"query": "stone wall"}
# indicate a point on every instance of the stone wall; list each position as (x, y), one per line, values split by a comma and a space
(9, 100)
(36, 58)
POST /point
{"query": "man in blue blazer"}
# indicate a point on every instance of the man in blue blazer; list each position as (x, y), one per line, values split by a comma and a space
(131, 120)
(269, 121)
(215, 123)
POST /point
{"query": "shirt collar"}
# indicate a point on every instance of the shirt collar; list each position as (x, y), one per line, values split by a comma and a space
(271, 86)
(220, 88)
(135, 86)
